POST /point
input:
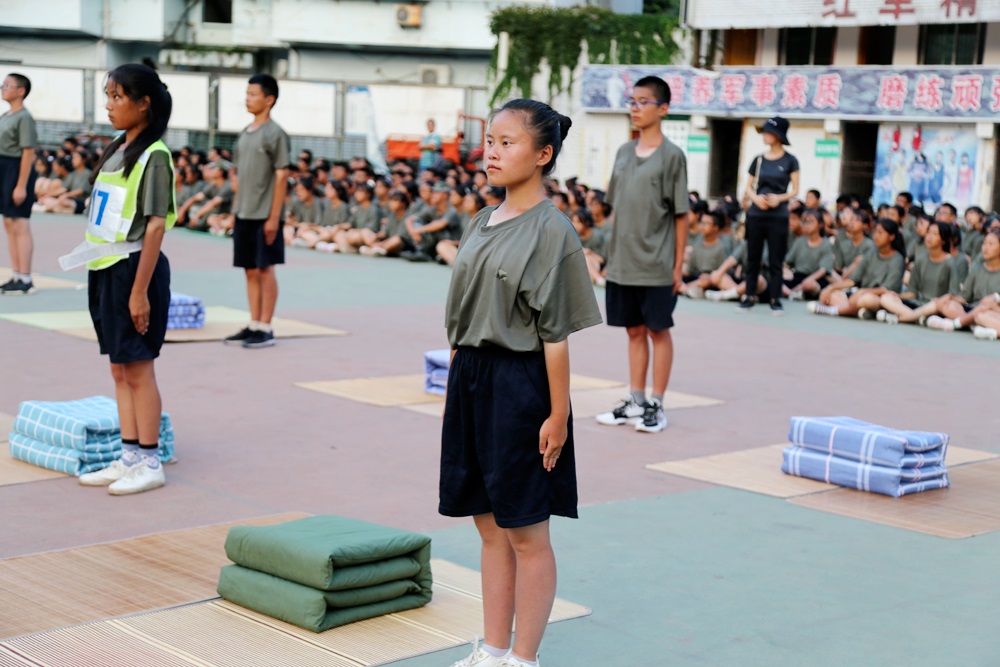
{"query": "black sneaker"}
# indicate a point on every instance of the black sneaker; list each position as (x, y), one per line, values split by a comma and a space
(19, 288)
(259, 339)
(238, 337)
(746, 303)
(777, 308)
(10, 283)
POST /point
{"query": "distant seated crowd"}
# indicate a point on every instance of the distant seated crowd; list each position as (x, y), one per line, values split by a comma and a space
(895, 264)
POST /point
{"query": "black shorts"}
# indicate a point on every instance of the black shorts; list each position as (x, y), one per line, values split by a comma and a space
(496, 404)
(10, 169)
(638, 305)
(108, 294)
(912, 304)
(798, 277)
(691, 278)
(78, 203)
(249, 249)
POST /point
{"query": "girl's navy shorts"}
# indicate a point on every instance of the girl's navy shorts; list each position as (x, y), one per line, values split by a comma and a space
(109, 292)
(490, 461)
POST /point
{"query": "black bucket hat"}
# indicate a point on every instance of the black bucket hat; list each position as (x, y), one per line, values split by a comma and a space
(777, 126)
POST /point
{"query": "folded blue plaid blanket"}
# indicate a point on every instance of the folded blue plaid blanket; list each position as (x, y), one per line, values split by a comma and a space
(185, 312)
(869, 443)
(888, 481)
(185, 321)
(436, 364)
(87, 430)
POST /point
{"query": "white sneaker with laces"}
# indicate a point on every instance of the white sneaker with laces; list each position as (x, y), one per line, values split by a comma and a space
(511, 661)
(713, 295)
(653, 419)
(885, 316)
(627, 412)
(940, 323)
(112, 473)
(695, 292)
(796, 295)
(138, 478)
(480, 658)
(367, 251)
(984, 333)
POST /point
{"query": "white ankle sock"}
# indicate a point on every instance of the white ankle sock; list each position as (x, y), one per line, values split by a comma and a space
(266, 328)
(527, 663)
(827, 310)
(254, 325)
(494, 651)
(729, 294)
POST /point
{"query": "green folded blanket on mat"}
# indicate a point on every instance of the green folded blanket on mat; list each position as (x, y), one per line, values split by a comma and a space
(326, 571)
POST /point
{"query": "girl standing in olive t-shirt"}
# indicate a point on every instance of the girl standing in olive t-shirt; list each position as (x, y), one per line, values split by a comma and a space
(520, 287)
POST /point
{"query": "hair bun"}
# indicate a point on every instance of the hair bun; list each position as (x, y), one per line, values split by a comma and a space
(565, 122)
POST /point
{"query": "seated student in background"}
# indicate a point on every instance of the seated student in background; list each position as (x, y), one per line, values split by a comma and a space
(447, 249)
(222, 220)
(594, 245)
(600, 210)
(979, 303)
(728, 281)
(392, 237)
(707, 254)
(200, 190)
(439, 221)
(495, 195)
(851, 247)
(305, 213)
(878, 272)
(336, 218)
(810, 259)
(216, 198)
(561, 202)
(795, 209)
(960, 259)
(365, 222)
(77, 184)
(972, 234)
(380, 192)
(696, 210)
(933, 275)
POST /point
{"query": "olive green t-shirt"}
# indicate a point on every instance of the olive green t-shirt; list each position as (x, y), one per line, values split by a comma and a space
(807, 259)
(156, 191)
(647, 195)
(740, 255)
(335, 215)
(981, 283)
(369, 217)
(311, 212)
(519, 283)
(395, 226)
(929, 280)
(972, 243)
(452, 231)
(596, 243)
(878, 271)
(961, 263)
(845, 252)
(258, 154)
(17, 132)
(78, 180)
(707, 258)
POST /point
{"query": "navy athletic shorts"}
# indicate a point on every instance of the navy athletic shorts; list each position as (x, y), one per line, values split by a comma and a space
(249, 249)
(496, 404)
(10, 169)
(109, 293)
(639, 305)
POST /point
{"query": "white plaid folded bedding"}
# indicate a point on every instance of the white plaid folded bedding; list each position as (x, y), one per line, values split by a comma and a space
(436, 364)
(62, 459)
(888, 481)
(869, 443)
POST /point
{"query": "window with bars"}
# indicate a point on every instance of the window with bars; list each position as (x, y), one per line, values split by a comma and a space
(956, 44)
(806, 46)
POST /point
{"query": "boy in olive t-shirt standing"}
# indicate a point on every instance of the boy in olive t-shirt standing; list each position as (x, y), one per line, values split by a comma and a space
(649, 193)
(18, 138)
(261, 157)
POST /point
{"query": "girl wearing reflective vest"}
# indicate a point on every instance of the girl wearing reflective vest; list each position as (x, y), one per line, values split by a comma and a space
(131, 207)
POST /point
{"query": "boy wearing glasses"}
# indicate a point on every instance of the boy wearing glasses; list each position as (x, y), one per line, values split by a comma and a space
(649, 193)
(18, 138)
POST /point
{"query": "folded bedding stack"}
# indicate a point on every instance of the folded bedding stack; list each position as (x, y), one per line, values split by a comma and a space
(325, 571)
(75, 437)
(868, 457)
(185, 312)
(436, 364)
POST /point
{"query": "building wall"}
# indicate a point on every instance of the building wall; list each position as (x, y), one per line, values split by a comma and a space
(366, 67)
(82, 16)
(52, 52)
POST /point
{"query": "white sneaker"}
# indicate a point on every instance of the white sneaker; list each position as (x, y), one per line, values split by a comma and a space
(865, 314)
(797, 295)
(885, 316)
(367, 251)
(379, 251)
(480, 658)
(653, 418)
(713, 295)
(325, 246)
(695, 292)
(940, 323)
(112, 473)
(628, 412)
(511, 661)
(812, 306)
(984, 333)
(300, 243)
(138, 478)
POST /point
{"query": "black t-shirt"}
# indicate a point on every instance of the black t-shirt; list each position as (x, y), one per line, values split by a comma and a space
(775, 175)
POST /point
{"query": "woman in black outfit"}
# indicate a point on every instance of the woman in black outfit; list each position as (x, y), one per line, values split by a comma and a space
(767, 218)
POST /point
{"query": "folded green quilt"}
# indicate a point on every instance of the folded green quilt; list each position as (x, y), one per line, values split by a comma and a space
(311, 608)
(330, 552)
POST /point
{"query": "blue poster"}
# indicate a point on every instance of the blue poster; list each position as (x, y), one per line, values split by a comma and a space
(934, 163)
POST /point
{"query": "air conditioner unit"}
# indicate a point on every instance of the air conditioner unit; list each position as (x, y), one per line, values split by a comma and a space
(408, 16)
(434, 74)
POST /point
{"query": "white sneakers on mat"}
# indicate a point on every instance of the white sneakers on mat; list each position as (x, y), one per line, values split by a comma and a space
(480, 658)
(123, 480)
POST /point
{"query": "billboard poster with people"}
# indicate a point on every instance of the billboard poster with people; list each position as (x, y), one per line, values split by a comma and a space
(935, 163)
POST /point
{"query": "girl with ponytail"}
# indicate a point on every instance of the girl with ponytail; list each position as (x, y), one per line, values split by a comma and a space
(132, 205)
(879, 272)
(520, 287)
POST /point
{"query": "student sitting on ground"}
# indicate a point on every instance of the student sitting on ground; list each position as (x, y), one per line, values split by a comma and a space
(933, 275)
(439, 221)
(447, 249)
(365, 222)
(810, 260)
(851, 247)
(305, 213)
(77, 184)
(216, 198)
(972, 235)
(979, 303)
(707, 254)
(47, 183)
(959, 258)
(222, 220)
(728, 281)
(877, 273)
(393, 238)
(336, 218)
(795, 210)
(594, 245)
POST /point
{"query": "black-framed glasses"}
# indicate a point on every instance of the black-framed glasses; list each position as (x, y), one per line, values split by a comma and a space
(638, 104)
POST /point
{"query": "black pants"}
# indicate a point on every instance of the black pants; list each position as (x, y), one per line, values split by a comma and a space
(775, 232)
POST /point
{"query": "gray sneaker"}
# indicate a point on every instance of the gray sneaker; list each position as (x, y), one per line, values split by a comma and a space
(653, 419)
(627, 412)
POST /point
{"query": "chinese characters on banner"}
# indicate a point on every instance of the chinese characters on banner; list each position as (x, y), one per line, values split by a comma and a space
(971, 93)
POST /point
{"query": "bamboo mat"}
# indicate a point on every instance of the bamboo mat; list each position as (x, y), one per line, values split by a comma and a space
(971, 506)
(58, 588)
(220, 634)
(42, 282)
